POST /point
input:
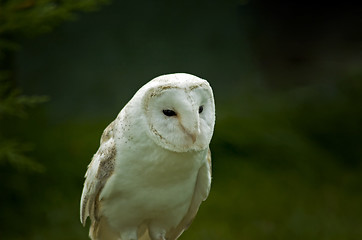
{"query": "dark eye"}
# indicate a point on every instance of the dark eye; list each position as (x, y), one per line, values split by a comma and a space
(169, 113)
(201, 108)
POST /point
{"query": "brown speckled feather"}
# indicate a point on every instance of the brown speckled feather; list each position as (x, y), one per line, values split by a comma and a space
(99, 170)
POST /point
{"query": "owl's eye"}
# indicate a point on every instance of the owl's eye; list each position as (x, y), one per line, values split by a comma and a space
(169, 113)
(201, 108)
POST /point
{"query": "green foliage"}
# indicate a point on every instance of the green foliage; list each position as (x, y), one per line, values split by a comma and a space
(32, 17)
(12, 150)
(14, 104)
(14, 153)
(27, 18)
(20, 19)
(50, 199)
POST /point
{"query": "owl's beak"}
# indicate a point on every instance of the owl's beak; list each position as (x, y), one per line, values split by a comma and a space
(193, 135)
(191, 127)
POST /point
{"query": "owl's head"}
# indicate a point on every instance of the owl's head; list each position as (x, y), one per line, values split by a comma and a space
(180, 112)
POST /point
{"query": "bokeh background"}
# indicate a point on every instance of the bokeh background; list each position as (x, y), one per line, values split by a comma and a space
(287, 82)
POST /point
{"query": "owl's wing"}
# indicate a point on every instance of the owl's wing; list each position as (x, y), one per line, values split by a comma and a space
(99, 170)
(202, 189)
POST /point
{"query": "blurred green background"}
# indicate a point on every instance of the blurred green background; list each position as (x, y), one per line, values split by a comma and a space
(287, 82)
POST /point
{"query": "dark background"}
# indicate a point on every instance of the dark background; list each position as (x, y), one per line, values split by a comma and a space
(287, 83)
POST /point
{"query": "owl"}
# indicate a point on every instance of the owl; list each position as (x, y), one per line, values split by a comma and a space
(153, 167)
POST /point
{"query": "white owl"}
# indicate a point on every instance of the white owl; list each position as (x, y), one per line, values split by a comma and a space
(153, 167)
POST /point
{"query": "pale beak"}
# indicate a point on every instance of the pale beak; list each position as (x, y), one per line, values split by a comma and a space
(190, 122)
(193, 130)
(193, 137)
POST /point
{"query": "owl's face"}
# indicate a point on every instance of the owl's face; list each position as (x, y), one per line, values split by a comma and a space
(180, 114)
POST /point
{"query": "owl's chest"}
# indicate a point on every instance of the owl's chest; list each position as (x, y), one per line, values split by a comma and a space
(158, 171)
(159, 183)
